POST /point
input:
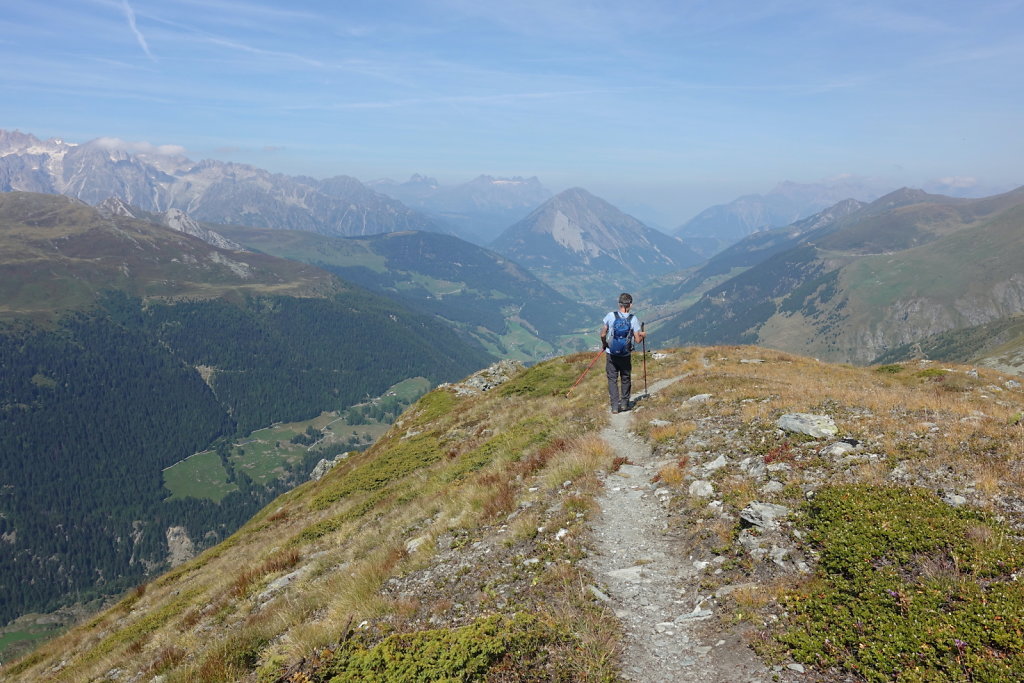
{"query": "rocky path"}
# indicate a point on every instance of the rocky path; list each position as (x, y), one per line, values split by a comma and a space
(650, 580)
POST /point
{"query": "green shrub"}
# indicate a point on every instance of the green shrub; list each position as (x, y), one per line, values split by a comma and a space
(434, 405)
(511, 443)
(544, 379)
(519, 647)
(889, 369)
(909, 589)
(393, 463)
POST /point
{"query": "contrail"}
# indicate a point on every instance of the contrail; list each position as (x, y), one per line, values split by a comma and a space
(130, 13)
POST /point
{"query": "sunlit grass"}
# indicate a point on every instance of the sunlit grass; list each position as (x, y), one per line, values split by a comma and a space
(462, 468)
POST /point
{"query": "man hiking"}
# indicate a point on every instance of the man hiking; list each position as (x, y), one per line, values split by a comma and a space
(624, 329)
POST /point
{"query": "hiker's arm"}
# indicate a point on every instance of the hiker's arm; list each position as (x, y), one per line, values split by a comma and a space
(638, 335)
(604, 336)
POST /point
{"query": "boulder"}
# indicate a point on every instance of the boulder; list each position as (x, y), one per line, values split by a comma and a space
(716, 464)
(702, 489)
(764, 515)
(325, 466)
(817, 426)
(837, 449)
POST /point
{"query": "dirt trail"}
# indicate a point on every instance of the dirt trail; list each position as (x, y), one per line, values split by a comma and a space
(650, 580)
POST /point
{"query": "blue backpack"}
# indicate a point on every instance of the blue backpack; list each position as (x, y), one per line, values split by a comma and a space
(621, 343)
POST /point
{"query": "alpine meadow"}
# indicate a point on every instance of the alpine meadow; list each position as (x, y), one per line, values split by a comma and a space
(564, 341)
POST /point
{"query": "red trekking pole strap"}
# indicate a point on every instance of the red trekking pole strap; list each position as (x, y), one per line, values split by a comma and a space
(580, 379)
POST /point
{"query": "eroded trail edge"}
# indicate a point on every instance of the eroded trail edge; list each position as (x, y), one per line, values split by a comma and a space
(650, 580)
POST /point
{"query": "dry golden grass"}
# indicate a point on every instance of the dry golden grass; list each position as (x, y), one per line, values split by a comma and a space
(975, 441)
(584, 456)
(674, 432)
(671, 475)
(721, 530)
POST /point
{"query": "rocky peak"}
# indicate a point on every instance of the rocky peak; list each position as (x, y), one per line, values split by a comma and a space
(114, 206)
(176, 219)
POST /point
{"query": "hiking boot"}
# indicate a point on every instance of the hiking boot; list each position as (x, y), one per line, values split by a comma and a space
(629, 406)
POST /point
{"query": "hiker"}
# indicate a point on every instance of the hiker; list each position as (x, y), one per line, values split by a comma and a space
(625, 329)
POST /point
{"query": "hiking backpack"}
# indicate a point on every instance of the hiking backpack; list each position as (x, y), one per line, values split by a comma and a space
(621, 342)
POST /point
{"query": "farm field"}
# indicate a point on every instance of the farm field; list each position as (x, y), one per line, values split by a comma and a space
(275, 452)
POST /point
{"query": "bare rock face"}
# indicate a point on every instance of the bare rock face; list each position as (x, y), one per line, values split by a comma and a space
(325, 466)
(488, 378)
(182, 222)
(179, 546)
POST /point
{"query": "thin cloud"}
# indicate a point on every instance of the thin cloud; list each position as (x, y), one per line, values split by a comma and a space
(130, 13)
(141, 147)
(260, 51)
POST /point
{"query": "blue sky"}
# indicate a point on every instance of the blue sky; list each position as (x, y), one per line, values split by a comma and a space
(663, 108)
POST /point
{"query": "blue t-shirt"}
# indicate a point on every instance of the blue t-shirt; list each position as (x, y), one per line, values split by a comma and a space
(609, 320)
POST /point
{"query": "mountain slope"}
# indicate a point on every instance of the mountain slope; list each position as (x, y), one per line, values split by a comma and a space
(58, 253)
(129, 346)
(719, 226)
(743, 255)
(460, 545)
(212, 191)
(904, 267)
(479, 210)
(490, 298)
(581, 244)
(998, 344)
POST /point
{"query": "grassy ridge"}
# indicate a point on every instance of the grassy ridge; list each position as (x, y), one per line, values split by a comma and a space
(435, 553)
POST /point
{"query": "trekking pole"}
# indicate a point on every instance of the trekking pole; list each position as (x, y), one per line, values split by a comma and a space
(580, 379)
(643, 343)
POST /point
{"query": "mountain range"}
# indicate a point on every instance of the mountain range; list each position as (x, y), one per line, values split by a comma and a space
(478, 210)
(860, 279)
(486, 296)
(721, 225)
(59, 254)
(210, 191)
(584, 246)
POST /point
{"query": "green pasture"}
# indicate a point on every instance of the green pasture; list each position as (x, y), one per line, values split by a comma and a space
(409, 390)
(14, 644)
(268, 454)
(199, 476)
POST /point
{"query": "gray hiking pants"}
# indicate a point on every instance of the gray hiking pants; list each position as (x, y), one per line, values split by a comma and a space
(619, 367)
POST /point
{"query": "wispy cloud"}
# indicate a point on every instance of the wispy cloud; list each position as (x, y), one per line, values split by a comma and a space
(130, 14)
(234, 45)
(140, 147)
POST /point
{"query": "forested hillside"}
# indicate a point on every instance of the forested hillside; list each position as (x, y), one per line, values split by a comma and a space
(489, 297)
(93, 407)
